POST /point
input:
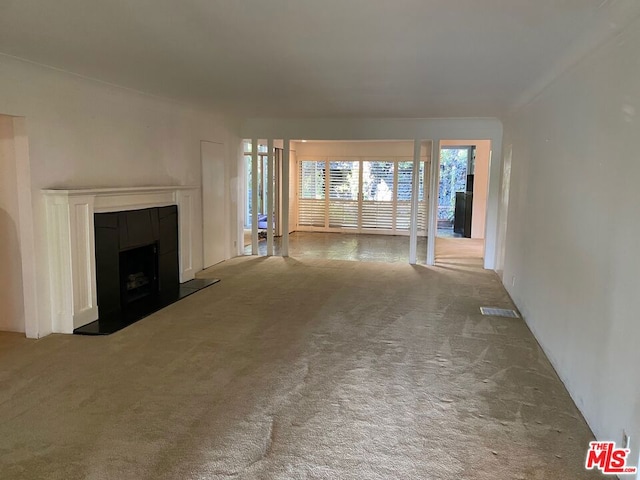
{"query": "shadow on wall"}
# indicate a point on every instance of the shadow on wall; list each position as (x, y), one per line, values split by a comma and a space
(11, 296)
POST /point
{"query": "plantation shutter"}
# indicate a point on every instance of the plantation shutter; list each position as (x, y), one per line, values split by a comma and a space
(422, 203)
(377, 194)
(311, 196)
(344, 179)
(403, 195)
(361, 195)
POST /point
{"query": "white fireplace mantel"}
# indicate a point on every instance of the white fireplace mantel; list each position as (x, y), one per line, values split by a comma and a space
(71, 239)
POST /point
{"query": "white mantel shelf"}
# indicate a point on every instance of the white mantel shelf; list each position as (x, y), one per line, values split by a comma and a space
(115, 190)
(71, 235)
(123, 198)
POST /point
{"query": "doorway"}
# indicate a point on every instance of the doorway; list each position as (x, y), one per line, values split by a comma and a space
(261, 171)
(462, 199)
(11, 295)
(360, 189)
(455, 191)
(18, 298)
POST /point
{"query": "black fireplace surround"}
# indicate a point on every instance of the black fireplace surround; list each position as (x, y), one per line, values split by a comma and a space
(137, 269)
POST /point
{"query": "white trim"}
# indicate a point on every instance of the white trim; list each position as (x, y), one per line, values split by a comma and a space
(103, 191)
(254, 197)
(270, 196)
(286, 174)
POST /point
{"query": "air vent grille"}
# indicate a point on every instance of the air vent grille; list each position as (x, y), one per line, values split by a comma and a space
(499, 312)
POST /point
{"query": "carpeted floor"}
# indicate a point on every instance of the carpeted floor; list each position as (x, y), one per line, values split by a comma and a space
(297, 369)
(374, 248)
(347, 246)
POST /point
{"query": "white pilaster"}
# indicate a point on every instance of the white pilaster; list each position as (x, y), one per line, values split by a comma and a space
(270, 197)
(254, 196)
(285, 197)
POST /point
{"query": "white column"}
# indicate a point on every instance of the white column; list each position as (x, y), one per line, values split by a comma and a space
(285, 198)
(432, 224)
(270, 197)
(254, 196)
(413, 220)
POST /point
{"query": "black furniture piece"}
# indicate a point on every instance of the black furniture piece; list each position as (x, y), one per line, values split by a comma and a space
(462, 214)
(137, 270)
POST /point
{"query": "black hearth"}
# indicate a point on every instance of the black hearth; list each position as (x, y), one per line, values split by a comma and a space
(136, 267)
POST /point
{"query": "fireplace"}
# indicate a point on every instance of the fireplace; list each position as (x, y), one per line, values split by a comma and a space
(136, 265)
(90, 229)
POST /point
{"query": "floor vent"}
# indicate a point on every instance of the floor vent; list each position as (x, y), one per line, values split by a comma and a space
(499, 312)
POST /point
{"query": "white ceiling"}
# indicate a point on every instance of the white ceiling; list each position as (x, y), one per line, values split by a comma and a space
(321, 58)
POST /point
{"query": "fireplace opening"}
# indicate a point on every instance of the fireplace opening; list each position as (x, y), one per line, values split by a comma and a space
(138, 273)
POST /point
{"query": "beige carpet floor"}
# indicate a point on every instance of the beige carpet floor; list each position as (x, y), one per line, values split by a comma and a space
(297, 369)
(347, 246)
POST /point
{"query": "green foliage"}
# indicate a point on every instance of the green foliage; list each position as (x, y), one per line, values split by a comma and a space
(453, 178)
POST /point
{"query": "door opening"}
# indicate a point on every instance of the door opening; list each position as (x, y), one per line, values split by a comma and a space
(462, 199)
(261, 171)
(455, 191)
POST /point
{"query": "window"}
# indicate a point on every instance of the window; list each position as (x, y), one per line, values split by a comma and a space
(370, 196)
(344, 180)
(377, 199)
(311, 195)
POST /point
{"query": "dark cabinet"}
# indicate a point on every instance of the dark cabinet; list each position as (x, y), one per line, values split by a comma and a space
(462, 213)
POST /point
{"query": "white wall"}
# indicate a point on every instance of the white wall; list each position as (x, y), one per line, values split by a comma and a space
(214, 203)
(86, 133)
(11, 296)
(573, 230)
(503, 210)
(433, 129)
